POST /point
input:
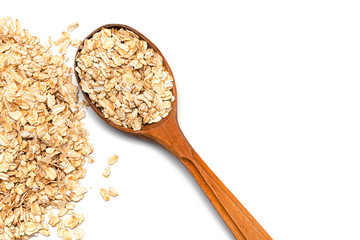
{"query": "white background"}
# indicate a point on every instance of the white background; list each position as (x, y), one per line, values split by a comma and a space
(268, 95)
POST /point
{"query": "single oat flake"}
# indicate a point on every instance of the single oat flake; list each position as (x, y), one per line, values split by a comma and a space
(106, 172)
(72, 26)
(113, 192)
(79, 234)
(113, 159)
(105, 194)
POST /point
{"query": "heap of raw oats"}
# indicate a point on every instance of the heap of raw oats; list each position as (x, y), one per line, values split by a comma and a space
(125, 78)
(43, 144)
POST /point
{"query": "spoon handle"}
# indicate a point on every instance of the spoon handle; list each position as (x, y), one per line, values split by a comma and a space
(239, 220)
(242, 224)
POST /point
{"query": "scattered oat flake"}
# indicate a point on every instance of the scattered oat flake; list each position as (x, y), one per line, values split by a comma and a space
(75, 42)
(113, 192)
(91, 160)
(66, 235)
(70, 206)
(71, 222)
(113, 159)
(62, 212)
(64, 36)
(105, 194)
(106, 172)
(72, 26)
(79, 233)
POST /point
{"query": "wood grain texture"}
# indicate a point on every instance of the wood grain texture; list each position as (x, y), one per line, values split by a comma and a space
(168, 134)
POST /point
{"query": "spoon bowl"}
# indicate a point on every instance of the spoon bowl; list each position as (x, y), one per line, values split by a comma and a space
(141, 133)
(168, 134)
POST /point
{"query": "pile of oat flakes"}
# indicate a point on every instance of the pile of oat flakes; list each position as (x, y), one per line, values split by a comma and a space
(43, 144)
(125, 78)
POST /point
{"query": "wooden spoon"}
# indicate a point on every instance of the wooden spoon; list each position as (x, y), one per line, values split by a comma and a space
(168, 134)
